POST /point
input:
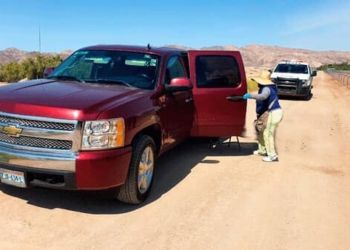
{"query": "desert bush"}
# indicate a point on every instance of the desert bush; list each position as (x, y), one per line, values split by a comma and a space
(340, 66)
(30, 68)
(10, 72)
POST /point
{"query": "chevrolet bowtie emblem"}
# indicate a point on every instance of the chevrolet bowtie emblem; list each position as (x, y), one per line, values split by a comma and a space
(12, 130)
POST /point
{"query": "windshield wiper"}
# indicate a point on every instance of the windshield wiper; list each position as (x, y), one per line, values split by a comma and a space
(121, 82)
(70, 78)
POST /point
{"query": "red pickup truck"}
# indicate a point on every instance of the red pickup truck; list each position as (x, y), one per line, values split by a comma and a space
(104, 115)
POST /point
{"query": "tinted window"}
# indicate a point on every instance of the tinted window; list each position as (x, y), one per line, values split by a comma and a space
(217, 72)
(174, 69)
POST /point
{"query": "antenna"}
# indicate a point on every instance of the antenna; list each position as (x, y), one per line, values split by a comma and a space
(39, 39)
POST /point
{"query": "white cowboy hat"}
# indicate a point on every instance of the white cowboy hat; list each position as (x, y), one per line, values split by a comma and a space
(264, 78)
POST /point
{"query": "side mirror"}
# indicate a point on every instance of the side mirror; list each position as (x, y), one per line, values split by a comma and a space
(178, 84)
(314, 73)
(48, 71)
(270, 70)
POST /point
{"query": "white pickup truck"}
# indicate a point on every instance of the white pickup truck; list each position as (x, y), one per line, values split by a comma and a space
(293, 78)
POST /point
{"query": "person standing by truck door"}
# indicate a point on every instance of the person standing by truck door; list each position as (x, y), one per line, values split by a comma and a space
(267, 100)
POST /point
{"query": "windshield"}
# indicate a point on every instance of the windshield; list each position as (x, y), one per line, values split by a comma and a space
(292, 68)
(110, 67)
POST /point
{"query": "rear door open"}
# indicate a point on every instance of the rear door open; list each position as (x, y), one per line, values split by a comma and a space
(219, 82)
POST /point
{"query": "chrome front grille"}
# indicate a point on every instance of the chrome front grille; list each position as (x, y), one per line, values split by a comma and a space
(288, 81)
(39, 133)
(37, 123)
(36, 142)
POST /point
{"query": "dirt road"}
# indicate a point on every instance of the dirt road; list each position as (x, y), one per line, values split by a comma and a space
(207, 198)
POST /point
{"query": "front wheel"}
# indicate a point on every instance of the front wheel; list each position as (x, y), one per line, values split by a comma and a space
(308, 96)
(140, 177)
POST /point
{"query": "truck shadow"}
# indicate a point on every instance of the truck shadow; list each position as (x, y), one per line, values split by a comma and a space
(171, 169)
(175, 165)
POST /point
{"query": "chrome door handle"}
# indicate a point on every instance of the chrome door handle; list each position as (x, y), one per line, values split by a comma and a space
(188, 100)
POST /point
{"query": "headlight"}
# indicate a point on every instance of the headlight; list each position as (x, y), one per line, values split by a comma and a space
(103, 134)
(305, 83)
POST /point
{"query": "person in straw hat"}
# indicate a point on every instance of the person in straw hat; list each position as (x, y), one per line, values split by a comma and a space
(267, 100)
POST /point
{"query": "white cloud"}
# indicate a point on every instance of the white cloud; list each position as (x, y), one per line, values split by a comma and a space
(309, 20)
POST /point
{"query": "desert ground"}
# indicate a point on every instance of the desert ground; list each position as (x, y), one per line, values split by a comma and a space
(213, 197)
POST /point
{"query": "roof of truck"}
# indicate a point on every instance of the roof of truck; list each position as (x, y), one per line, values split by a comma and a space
(293, 61)
(134, 48)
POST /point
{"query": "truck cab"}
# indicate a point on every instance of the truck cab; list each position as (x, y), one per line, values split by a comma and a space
(102, 117)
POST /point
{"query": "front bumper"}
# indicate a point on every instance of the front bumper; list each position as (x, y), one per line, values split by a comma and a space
(292, 87)
(87, 170)
(293, 90)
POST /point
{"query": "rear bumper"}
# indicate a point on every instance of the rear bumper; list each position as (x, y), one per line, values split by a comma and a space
(88, 170)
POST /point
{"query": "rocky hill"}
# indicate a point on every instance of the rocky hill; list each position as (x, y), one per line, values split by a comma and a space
(263, 56)
(268, 56)
(254, 56)
(16, 55)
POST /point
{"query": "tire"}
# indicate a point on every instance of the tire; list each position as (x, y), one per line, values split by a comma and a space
(308, 96)
(140, 177)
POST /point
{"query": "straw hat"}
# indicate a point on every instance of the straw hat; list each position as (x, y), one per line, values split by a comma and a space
(264, 78)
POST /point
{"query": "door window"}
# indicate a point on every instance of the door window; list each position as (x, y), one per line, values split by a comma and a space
(217, 72)
(174, 69)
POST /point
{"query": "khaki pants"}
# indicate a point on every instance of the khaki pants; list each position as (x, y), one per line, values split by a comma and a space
(266, 138)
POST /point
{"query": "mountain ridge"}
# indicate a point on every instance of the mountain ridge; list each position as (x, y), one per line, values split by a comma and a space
(254, 55)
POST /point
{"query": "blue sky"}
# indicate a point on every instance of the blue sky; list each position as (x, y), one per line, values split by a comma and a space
(72, 24)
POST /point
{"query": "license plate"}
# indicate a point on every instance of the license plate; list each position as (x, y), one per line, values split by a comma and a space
(14, 178)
